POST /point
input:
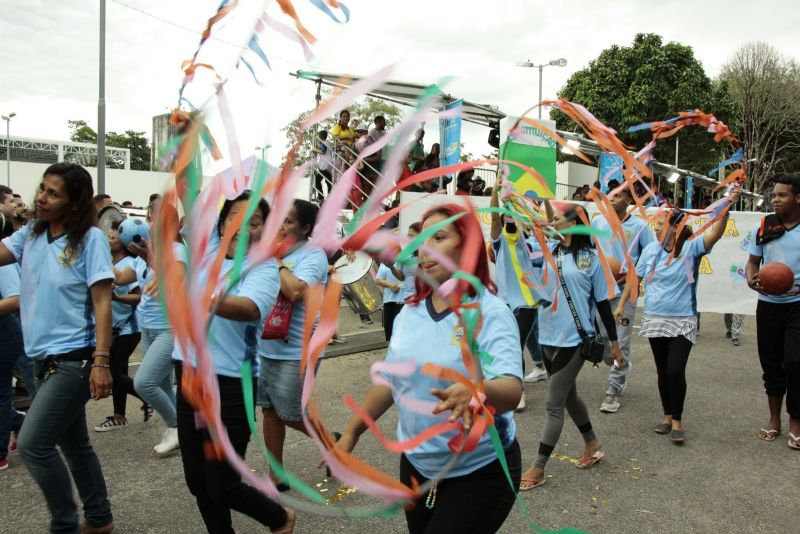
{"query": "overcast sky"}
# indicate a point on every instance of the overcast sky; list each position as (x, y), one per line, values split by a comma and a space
(50, 53)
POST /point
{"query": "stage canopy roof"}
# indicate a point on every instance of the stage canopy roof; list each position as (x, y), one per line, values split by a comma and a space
(404, 93)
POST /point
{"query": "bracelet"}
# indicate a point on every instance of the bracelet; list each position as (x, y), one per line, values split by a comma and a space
(96, 366)
(101, 353)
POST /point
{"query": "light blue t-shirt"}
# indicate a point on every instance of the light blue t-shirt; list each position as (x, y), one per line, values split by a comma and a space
(637, 237)
(310, 265)
(671, 291)
(55, 302)
(231, 343)
(385, 273)
(409, 270)
(441, 333)
(149, 313)
(785, 249)
(124, 315)
(586, 281)
(509, 287)
(9, 287)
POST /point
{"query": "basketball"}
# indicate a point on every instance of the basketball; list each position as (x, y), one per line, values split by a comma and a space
(134, 230)
(776, 278)
(615, 267)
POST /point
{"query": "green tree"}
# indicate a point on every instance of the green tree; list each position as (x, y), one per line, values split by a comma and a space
(651, 81)
(363, 110)
(136, 142)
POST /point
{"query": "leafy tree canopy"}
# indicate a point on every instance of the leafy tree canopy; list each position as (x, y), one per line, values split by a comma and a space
(135, 141)
(650, 81)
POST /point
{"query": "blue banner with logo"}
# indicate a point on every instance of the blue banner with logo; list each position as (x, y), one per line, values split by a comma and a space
(609, 168)
(450, 136)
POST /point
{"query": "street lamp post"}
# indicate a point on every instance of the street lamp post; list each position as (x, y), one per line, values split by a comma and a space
(560, 62)
(263, 150)
(8, 118)
(101, 105)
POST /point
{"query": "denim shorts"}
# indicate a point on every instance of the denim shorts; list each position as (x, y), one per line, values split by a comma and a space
(280, 387)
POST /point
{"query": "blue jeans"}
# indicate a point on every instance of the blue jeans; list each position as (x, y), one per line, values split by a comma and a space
(25, 366)
(11, 350)
(153, 380)
(58, 417)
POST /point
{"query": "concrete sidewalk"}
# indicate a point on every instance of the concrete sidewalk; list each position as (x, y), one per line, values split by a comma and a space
(722, 480)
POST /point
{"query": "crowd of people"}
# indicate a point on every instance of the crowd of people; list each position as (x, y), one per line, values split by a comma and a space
(75, 303)
(337, 150)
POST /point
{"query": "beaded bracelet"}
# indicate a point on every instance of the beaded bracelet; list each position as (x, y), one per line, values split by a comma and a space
(96, 365)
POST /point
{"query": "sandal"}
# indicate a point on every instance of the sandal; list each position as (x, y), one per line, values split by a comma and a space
(794, 442)
(588, 461)
(288, 527)
(768, 434)
(527, 484)
(663, 428)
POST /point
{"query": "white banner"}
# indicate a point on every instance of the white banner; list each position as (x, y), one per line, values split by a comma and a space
(722, 285)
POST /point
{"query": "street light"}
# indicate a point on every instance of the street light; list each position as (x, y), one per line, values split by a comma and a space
(560, 62)
(263, 150)
(8, 118)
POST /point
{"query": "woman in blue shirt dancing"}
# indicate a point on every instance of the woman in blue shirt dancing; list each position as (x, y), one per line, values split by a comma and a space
(474, 495)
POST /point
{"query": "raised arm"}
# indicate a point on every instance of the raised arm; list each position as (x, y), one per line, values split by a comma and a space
(497, 222)
(710, 239)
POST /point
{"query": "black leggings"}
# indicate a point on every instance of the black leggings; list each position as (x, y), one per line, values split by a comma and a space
(218, 487)
(121, 349)
(477, 503)
(778, 328)
(671, 355)
(390, 311)
(526, 317)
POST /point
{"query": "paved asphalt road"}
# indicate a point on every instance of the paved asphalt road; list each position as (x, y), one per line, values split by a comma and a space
(722, 480)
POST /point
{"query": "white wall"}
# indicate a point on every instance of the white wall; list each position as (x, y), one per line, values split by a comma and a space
(575, 174)
(136, 186)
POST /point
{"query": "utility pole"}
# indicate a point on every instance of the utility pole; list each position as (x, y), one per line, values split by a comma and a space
(101, 106)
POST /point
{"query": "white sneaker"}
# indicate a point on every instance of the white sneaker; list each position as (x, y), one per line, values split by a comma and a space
(521, 405)
(610, 404)
(538, 374)
(169, 442)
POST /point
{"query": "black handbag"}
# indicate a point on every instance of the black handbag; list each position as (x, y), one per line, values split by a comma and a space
(591, 348)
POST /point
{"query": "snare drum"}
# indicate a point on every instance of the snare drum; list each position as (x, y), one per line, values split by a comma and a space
(359, 287)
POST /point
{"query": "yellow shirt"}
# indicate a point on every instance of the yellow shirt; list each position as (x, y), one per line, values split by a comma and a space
(344, 135)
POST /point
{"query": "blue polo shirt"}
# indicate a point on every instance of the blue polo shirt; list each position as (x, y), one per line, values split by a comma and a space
(124, 315)
(9, 287)
(409, 270)
(441, 333)
(310, 265)
(785, 249)
(637, 237)
(149, 313)
(670, 291)
(587, 285)
(231, 343)
(55, 301)
(385, 273)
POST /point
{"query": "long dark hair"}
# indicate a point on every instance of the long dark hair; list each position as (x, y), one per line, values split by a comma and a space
(78, 185)
(6, 226)
(306, 214)
(577, 213)
(263, 207)
(675, 218)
